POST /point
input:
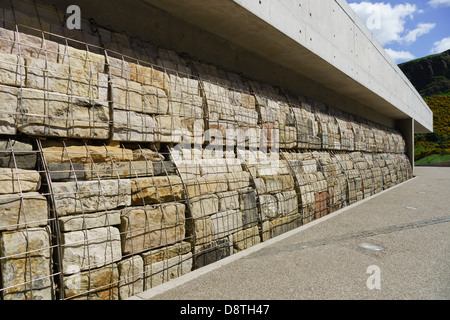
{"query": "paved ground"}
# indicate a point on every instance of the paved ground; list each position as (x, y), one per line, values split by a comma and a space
(324, 260)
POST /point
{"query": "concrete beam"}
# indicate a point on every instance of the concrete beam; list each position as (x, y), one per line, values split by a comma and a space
(322, 40)
(315, 48)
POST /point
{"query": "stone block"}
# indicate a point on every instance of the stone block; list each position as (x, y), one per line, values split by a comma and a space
(116, 170)
(153, 190)
(200, 231)
(248, 101)
(30, 46)
(9, 106)
(131, 277)
(269, 207)
(12, 70)
(47, 114)
(290, 203)
(149, 76)
(91, 196)
(49, 76)
(98, 284)
(155, 100)
(282, 225)
(185, 105)
(90, 249)
(18, 180)
(245, 239)
(273, 183)
(166, 270)
(278, 183)
(133, 126)
(212, 252)
(17, 212)
(188, 169)
(228, 200)
(248, 207)
(193, 186)
(245, 116)
(18, 154)
(213, 184)
(169, 129)
(127, 95)
(143, 228)
(81, 59)
(63, 172)
(225, 223)
(56, 154)
(143, 154)
(321, 206)
(265, 233)
(288, 137)
(25, 265)
(260, 185)
(158, 255)
(89, 221)
(213, 167)
(162, 168)
(238, 180)
(204, 206)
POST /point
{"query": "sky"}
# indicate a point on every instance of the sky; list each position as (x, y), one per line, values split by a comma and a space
(407, 29)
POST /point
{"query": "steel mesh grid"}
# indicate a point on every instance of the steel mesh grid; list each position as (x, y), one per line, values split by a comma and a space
(199, 96)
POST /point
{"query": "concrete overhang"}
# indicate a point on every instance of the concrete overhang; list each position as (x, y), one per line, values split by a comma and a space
(321, 40)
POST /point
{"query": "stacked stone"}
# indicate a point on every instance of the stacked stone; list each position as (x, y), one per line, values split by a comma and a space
(365, 173)
(223, 205)
(358, 132)
(353, 177)
(369, 137)
(61, 92)
(276, 116)
(347, 136)
(401, 166)
(398, 142)
(123, 217)
(380, 142)
(231, 114)
(304, 169)
(329, 128)
(278, 199)
(305, 123)
(377, 174)
(115, 206)
(335, 178)
(26, 270)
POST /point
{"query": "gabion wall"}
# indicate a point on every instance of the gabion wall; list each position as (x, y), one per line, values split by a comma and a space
(124, 165)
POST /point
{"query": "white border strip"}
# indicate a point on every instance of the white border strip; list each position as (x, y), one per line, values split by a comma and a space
(149, 294)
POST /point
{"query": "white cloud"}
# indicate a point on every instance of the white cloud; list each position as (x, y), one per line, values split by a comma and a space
(400, 56)
(422, 28)
(387, 22)
(438, 3)
(441, 46)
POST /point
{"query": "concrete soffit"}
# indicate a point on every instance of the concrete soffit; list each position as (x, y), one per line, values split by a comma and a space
(260, 28)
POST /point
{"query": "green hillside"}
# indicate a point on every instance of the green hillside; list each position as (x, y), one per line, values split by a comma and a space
(431, 77)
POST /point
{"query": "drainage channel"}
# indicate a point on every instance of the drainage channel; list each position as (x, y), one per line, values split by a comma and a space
(350, 236)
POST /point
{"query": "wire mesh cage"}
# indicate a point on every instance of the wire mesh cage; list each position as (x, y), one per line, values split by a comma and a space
(124, 165)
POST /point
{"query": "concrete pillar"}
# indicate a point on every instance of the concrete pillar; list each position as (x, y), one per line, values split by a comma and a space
(406, 128)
